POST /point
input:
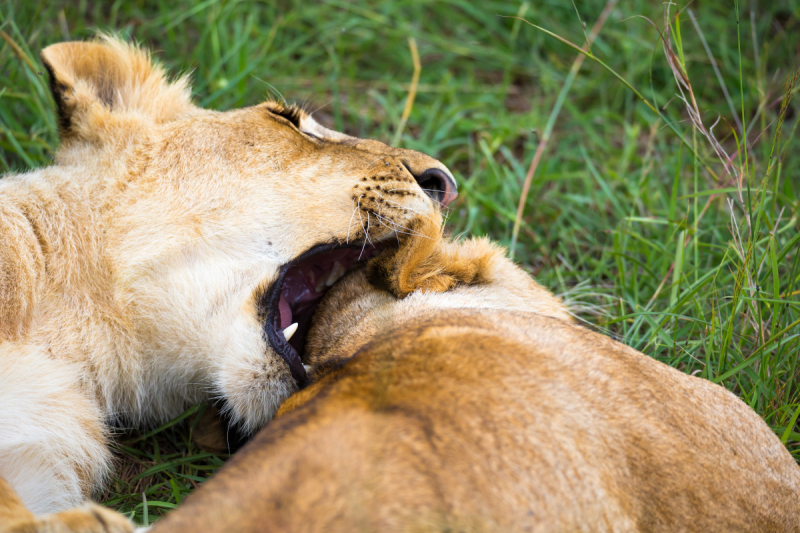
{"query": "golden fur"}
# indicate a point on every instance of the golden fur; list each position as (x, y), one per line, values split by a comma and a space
(485, 408)
(131, 269)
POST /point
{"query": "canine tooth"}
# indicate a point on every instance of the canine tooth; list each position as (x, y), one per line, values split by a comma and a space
(288, 332)
(336, 273)
(308, 368)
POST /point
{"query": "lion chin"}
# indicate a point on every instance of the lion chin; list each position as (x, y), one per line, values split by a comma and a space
(170, 255)
(453, 393)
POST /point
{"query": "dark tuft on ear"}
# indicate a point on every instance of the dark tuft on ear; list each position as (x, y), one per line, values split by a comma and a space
(59, 91)
(426, 262)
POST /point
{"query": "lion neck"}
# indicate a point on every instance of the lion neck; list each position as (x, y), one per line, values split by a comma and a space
(57, 281)
(355, 313)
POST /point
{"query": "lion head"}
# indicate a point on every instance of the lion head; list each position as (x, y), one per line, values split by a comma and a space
(179, 248)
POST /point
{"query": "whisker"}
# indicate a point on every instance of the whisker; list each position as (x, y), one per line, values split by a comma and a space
(396, 233)
(352, 216)
(395, 225)
(361, 220)
(366, 238)
(406, 207)
(381, 218)
(366, 230)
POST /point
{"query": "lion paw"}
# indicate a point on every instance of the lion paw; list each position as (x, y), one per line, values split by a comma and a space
(92, 518)
(88, 518)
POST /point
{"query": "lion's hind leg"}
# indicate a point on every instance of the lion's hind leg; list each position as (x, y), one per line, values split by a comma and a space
(53, 444)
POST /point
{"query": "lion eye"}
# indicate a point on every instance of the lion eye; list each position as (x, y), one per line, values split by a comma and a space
(291, 113)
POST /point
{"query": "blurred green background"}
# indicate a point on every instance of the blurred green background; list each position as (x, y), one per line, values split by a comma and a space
(664, 249)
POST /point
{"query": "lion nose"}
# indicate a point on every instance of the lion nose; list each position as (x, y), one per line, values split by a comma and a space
(438, 184)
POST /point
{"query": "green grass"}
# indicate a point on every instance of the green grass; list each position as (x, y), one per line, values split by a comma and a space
(628, 214)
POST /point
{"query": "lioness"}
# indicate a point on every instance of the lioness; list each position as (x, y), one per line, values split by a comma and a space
(485, 408)
(170, 254)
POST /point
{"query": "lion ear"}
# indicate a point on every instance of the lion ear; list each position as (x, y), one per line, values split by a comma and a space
(90, 79)
(426, 262)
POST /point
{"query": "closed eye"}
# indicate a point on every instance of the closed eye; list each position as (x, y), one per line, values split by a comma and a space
(292, 113)
(315, 137)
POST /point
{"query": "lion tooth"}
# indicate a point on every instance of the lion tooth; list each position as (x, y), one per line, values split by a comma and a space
(307, 368)
(288, 332)
(320, 286)
(336, 273)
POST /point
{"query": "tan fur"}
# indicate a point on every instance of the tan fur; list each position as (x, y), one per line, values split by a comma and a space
(429, 264)
(485, 409)
(131, 269)
(89, 518)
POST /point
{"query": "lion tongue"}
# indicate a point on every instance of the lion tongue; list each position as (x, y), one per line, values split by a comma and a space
(298, 297)
(305, 283)
(286, 312)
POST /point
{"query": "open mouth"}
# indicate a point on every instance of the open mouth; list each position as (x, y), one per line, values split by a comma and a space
(291, 300)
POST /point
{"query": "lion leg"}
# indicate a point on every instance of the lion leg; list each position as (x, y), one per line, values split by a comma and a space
(12, 511)
(88, 518)
(53, 443)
